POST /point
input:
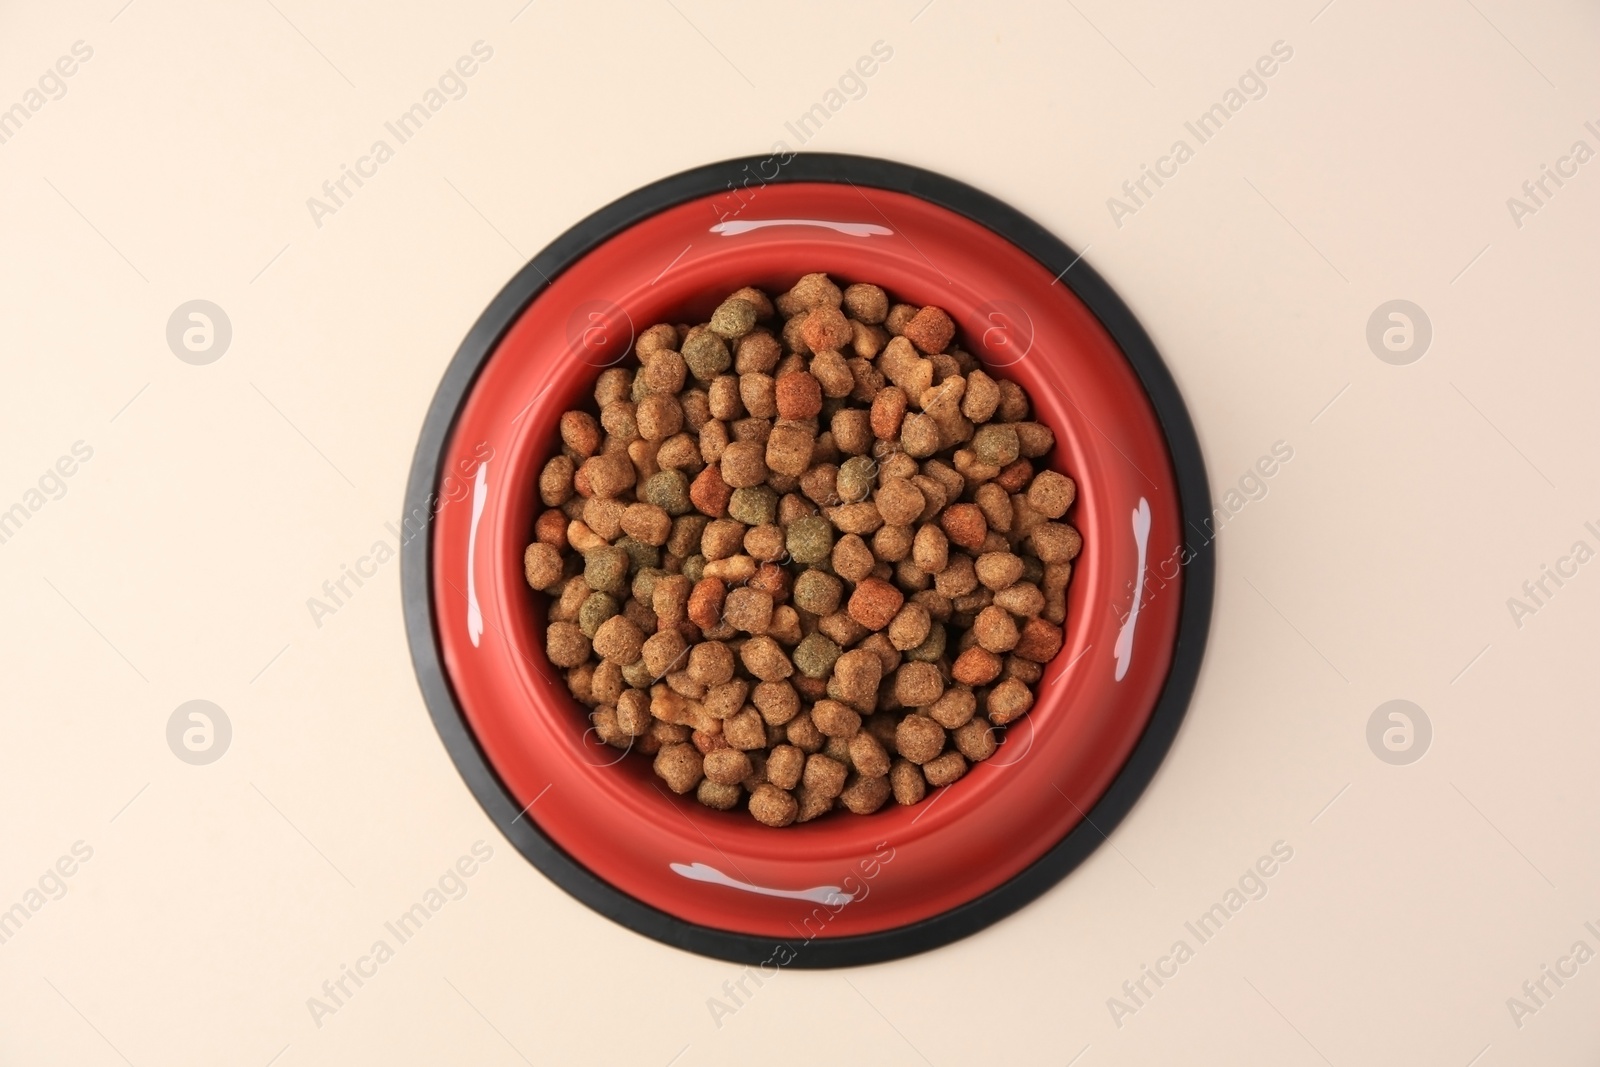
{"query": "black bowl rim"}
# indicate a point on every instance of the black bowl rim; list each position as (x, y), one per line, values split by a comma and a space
(1076, 845)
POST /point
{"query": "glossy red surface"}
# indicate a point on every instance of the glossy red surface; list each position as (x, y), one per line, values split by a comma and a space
(606, 809)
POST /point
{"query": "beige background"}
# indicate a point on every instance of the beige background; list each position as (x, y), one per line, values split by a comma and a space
(220, 497)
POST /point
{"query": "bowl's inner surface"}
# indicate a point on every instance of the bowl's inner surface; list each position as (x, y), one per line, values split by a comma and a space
(607, 809)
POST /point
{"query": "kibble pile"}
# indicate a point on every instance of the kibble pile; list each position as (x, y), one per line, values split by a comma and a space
(808, 555)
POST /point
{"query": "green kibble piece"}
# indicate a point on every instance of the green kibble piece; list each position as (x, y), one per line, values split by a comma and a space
(734, 318)
(997, 444)
(815, 656)
(706, 355)
(596, 609)
(856, 478)
(810, 539)
(754, 506)
(644, 582)
(932, 646)
(638, 675)
(694, 567)
(668, 490)
(640, 554)
(606, 570)
(817, 591)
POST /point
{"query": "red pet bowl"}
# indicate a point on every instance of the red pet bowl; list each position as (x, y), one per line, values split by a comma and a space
(843, 889)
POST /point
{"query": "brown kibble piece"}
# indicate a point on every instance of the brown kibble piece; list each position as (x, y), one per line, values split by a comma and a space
(930, 330)
(945, 769)
(718, 796)
(918, 738)
(1013, 402)
(541, 565)
(777, 701)
(834, 719)
(550, 528)
(955, 708)
(1008, 701)
(566, 644)
(833, 373)
(976, 740)
(866, 302)
(710, 663)
(899, 502)
(758, 353)
(824, 776)
(856, 675)
(930, 550)
(647, 523)
(865, 795)
(727, 766)
(785, 764)
(826, 329)
(772, 806)
(812, 290)
(919, 435)
(633, 712)
(581, 433)
(745, 731)
(852, 559)
(1022, 599)
(909, 627)
(916, 685)
(1034, 439)
(1056, 542)
(609, 474)
(659, 338)
(899, 314)
(999, 570)
(995, 629)
(982, 397)
(556, 481)
(764, 657)
(789, 449)
(868, 755)
(744, 464)
(812, 803)
(907, 781)
(1052, 493)
(618, 639)
(663, 652)
(680, 766)
(658, 417)
(748, 610)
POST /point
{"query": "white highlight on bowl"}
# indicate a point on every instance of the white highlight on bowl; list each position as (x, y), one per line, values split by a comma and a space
(1141, 538)
(480, 493)
(830, 895)
(850, 229)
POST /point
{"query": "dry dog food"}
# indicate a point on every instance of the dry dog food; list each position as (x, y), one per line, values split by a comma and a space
(805, 555)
